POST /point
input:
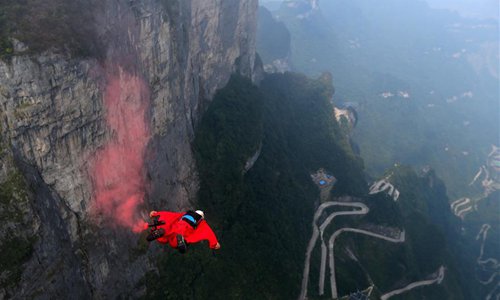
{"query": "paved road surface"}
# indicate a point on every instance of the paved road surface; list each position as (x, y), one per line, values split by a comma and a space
(363, 210)
(331, 246)
(438, 279)
(316, 233)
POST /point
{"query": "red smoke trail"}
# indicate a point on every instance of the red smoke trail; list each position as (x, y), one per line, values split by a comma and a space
(117, 169)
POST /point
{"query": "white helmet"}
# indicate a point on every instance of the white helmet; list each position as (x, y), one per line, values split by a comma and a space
(200, 212)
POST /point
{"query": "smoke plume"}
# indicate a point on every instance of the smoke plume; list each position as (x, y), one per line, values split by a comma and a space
(117, 169)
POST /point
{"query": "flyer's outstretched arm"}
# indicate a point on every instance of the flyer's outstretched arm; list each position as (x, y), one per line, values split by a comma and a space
(204, 232)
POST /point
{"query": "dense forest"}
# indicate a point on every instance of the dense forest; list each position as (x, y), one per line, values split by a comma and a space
(262, 216)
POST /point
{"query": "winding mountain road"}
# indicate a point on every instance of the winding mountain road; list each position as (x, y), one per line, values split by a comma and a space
(331, 247)
(457, 203)
(362, 211)
(384, 185)
(494, 293)
(438, 279)
(461, 207)
(319, 230)
(489, 264)
(483, 233)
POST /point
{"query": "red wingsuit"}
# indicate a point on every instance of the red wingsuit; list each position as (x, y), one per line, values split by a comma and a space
(174, 226)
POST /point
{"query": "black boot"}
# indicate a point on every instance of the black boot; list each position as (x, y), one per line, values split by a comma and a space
(181, 244)
(157, 233)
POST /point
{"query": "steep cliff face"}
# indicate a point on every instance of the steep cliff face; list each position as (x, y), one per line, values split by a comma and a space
(185, 74)
(55, 122)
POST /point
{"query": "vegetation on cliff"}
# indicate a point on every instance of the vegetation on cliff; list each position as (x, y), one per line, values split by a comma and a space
(16, 247)
(262, 217)
(59, 25)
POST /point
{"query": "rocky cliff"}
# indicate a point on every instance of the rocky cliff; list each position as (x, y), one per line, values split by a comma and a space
(159, 64)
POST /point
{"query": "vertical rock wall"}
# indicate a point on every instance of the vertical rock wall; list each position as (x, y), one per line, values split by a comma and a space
(53, 122)
(212, 39)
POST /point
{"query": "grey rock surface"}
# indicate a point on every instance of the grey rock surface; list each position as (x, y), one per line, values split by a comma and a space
(53, 121)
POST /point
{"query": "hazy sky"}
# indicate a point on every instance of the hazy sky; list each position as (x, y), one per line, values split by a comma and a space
(467, 8)
(470, 8)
